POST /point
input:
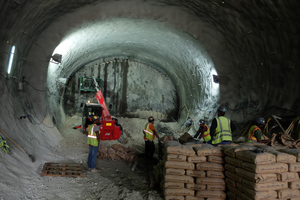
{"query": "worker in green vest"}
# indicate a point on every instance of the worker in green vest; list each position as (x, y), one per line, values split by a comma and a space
(93, 140)
(203, 132)
(255, 134)
(221, 128)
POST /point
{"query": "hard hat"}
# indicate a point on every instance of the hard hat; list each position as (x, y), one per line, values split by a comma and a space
(261, 121)
(222, 109)
(150, 119)
(201, 121)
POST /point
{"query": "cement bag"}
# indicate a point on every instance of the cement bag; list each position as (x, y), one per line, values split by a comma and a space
(233, 176)
(203, 151)
(294, 167)
(252, 194)
(209, 166)
(179, 165)
(230, 181)
(179, 179)
(193, 186)
(174, 185)
(295, 152)
(196, 159)
(230, 167)
(181, 150)
(232, 151)
(256, 158)
(195, 173)
(231, 195)
(295, 185)
(215, 174)
(174, 198)
(233, 161)
(275, 185)
(176, 157)
(179, 192)
(216, 187)
(257, 178)
(211, 194)
(283, 157)
(235, 190)
(287, 140)
(210, 181)
(288, 193)
(288, 176)
(215, 159)
(193, 198)
(265, 169)
(172, 171)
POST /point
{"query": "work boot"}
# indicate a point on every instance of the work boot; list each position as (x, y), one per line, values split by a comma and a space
(94, 170)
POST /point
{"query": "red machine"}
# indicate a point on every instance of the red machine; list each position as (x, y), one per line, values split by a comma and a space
(109, 127)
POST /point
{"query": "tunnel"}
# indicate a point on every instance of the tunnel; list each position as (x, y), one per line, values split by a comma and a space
(173, 60)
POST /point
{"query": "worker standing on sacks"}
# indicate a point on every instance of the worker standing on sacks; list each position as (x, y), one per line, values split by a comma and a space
(93, 140)
(221, 128)
(149, 135)
(203, 132)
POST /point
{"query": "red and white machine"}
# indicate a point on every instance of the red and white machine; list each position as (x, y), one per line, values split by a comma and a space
(109, 127)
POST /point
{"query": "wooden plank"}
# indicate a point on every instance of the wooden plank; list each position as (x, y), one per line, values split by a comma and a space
(63, 170)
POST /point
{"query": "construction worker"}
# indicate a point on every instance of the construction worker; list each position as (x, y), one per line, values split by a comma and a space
(255, 134)
(221, 128)
(93, 140)
(149, 135)
(203, 132)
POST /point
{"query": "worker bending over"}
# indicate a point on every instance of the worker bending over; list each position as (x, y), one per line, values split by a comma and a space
(255, 134)
(93, 140)
(221, 128)
(149, 136)
(203, 132)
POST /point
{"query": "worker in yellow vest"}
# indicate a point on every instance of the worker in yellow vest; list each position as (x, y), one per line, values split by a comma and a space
(221, 128)
(203, 132)
(149, 135)
(93, 140)
(255, 134)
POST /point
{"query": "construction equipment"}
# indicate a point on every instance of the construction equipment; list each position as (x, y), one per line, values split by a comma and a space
(109, 127)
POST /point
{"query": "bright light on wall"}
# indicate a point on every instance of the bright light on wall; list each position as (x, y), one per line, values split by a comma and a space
(11, 57)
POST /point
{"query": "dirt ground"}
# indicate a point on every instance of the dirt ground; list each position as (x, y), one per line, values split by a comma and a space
(115, 180)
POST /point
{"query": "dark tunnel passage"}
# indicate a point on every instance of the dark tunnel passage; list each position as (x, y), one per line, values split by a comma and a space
(168, 59)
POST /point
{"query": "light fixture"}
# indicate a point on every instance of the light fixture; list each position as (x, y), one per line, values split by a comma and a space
(216, 78)
(57, 58)
(11, 57)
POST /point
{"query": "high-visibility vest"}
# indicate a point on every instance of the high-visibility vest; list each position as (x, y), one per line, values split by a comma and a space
(250, 135)
(92, 136)
(223, 130)
(149, 135)
(206, 135)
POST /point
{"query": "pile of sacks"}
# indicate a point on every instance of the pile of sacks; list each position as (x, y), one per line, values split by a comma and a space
(191, 171)
(257, 172)
(116, 152)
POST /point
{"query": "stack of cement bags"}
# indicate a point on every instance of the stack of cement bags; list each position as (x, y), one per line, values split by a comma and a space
(191, 171)
(260, 172)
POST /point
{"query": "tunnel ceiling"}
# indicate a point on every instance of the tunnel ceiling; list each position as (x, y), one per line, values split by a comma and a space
(253, 45)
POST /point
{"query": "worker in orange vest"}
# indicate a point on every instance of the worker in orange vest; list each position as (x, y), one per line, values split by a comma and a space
(203, 132)
(255, 134)
(149, 135)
